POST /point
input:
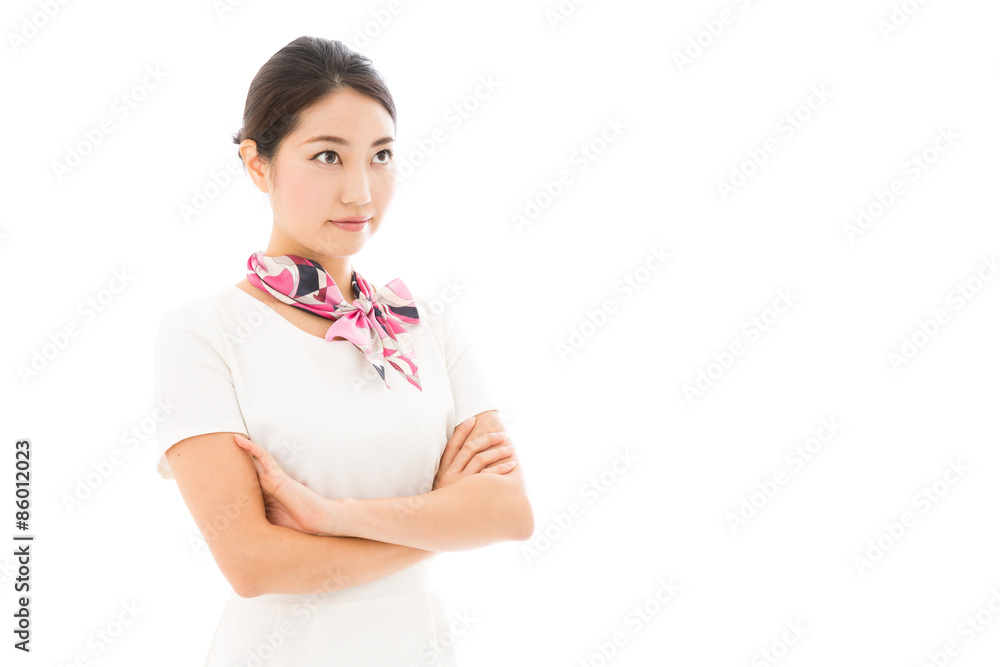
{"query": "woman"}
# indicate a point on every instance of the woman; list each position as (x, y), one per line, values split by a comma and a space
(374, 442)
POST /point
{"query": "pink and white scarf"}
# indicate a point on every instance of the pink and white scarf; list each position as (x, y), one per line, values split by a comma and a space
(373, 322)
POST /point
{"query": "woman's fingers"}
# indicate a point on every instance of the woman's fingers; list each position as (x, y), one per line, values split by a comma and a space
(269, 472)
(287, 502)
(501, 468)
(490, 456)
(473, 447)
(257, 466)
(258, 452)
(455, 442)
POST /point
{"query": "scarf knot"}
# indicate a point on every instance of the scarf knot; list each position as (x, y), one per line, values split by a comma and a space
(366, 307)
(373, 321)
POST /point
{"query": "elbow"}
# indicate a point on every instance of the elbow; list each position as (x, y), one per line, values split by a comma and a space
(250, 577)
(246, 569)
(519, 519)
(527, 528)
(246, 588)
(244, 582)
(242, 591)
(524, 525)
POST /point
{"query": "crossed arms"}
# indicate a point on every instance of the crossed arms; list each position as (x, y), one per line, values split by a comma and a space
(384, 535)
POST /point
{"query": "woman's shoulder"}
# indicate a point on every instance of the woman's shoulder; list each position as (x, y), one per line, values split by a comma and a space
(203, 312)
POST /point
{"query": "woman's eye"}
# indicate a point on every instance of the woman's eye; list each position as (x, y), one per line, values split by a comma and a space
(386, 152)
(325, 153)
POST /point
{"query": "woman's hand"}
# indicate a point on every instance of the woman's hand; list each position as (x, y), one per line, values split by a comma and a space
(287, 502)
(463, 457)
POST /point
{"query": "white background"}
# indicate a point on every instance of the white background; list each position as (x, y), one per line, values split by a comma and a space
(686, 128)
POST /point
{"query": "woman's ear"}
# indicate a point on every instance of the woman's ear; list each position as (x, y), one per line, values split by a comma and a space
(252, 161)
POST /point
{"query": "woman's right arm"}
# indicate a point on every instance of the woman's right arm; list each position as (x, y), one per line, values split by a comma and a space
(255, 556)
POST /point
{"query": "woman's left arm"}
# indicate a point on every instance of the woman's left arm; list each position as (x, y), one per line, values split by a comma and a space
(475, 511)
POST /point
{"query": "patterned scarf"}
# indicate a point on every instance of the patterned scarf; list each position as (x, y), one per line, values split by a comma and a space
(373, 322)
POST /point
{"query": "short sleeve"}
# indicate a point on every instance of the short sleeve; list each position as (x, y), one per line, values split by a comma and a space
(193, 390)
(469, 386)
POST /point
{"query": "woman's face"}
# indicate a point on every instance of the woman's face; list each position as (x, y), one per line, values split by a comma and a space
(336, 164)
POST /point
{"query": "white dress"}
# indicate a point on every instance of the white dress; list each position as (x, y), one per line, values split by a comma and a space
(229, 363)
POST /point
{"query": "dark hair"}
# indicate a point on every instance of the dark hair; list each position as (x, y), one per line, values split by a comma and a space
(303, 72)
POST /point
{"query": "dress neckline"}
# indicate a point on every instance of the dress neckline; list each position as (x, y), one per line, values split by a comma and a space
(280, 316)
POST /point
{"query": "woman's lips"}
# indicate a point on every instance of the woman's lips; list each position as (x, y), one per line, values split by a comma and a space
(351, 226)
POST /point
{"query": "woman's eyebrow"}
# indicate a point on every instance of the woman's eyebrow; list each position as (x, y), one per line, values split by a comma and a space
(343, 142)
